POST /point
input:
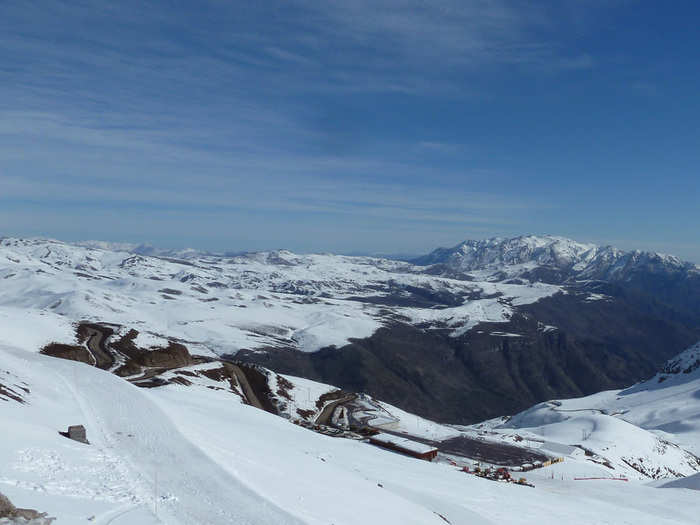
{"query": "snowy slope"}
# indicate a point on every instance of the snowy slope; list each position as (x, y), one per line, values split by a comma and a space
(220, 304)
(132, 442)
(208, 458)
(649, 430)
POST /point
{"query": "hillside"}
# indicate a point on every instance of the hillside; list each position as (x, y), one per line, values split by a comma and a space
(196, 451)
(651, 429)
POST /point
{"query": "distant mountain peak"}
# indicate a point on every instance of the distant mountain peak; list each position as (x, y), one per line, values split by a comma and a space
(519, 256)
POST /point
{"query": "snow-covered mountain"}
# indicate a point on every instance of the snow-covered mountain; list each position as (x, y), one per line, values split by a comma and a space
(520, 255)
(687, 362)
(222, 304)
(502, 327)
(498, 252)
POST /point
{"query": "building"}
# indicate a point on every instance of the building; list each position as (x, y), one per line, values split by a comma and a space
(405, 446)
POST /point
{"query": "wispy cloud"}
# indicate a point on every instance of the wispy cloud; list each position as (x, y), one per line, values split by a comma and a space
(221, 107)
(72, 164)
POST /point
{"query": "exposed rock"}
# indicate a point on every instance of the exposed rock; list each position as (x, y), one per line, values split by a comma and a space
(5, 506)
(11, 515)
(76, 433)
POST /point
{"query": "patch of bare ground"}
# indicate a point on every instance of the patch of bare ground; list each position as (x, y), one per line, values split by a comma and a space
(181, 381)
(329, 396)
(257, 379)
(70, 352)
(185, 373)
(224, 373)
(7, 394)
(283, 387)
(175, 355)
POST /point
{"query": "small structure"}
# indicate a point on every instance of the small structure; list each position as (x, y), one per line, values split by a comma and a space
(76, 433)
(405, 446)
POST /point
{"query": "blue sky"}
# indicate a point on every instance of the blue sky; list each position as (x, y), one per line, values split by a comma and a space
(353, 126)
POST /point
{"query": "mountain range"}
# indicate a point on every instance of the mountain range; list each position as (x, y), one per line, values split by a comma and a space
(460, 335)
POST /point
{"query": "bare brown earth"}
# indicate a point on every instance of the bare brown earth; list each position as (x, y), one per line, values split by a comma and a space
(70, 352)
(144, 367)
(7, 393)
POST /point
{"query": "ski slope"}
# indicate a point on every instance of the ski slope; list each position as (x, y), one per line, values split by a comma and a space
(185, 455)
(134, 446)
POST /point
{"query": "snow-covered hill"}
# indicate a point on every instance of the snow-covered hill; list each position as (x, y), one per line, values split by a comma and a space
(190, 454)
(280, 299)
(220, 304)
(651, 429)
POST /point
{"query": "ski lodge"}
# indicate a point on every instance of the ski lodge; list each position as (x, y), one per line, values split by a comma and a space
(404, 446)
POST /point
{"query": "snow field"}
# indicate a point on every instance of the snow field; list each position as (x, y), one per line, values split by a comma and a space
(219, 461)
(223, 304)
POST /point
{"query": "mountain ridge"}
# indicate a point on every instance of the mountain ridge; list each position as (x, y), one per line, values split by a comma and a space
(536, 243)
(552, 250)
(476, 342)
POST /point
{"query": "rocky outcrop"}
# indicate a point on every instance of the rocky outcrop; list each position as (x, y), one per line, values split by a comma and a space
(12, 515)
(70, 352)
(76, 433)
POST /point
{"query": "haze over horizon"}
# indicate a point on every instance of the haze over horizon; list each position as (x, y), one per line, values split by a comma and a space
(350, 127)
(149, 248)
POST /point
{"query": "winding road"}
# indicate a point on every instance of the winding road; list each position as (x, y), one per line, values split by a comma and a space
(327, 412)
(96, 345)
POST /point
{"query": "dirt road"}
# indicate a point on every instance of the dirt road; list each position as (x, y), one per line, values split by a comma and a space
(245, 386)
(327, 412)
(96, 345)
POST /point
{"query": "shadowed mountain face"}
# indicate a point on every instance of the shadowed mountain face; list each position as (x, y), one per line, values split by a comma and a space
(618, 317)
(500, 368)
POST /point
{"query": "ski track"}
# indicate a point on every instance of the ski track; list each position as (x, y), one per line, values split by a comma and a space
(143, 441)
